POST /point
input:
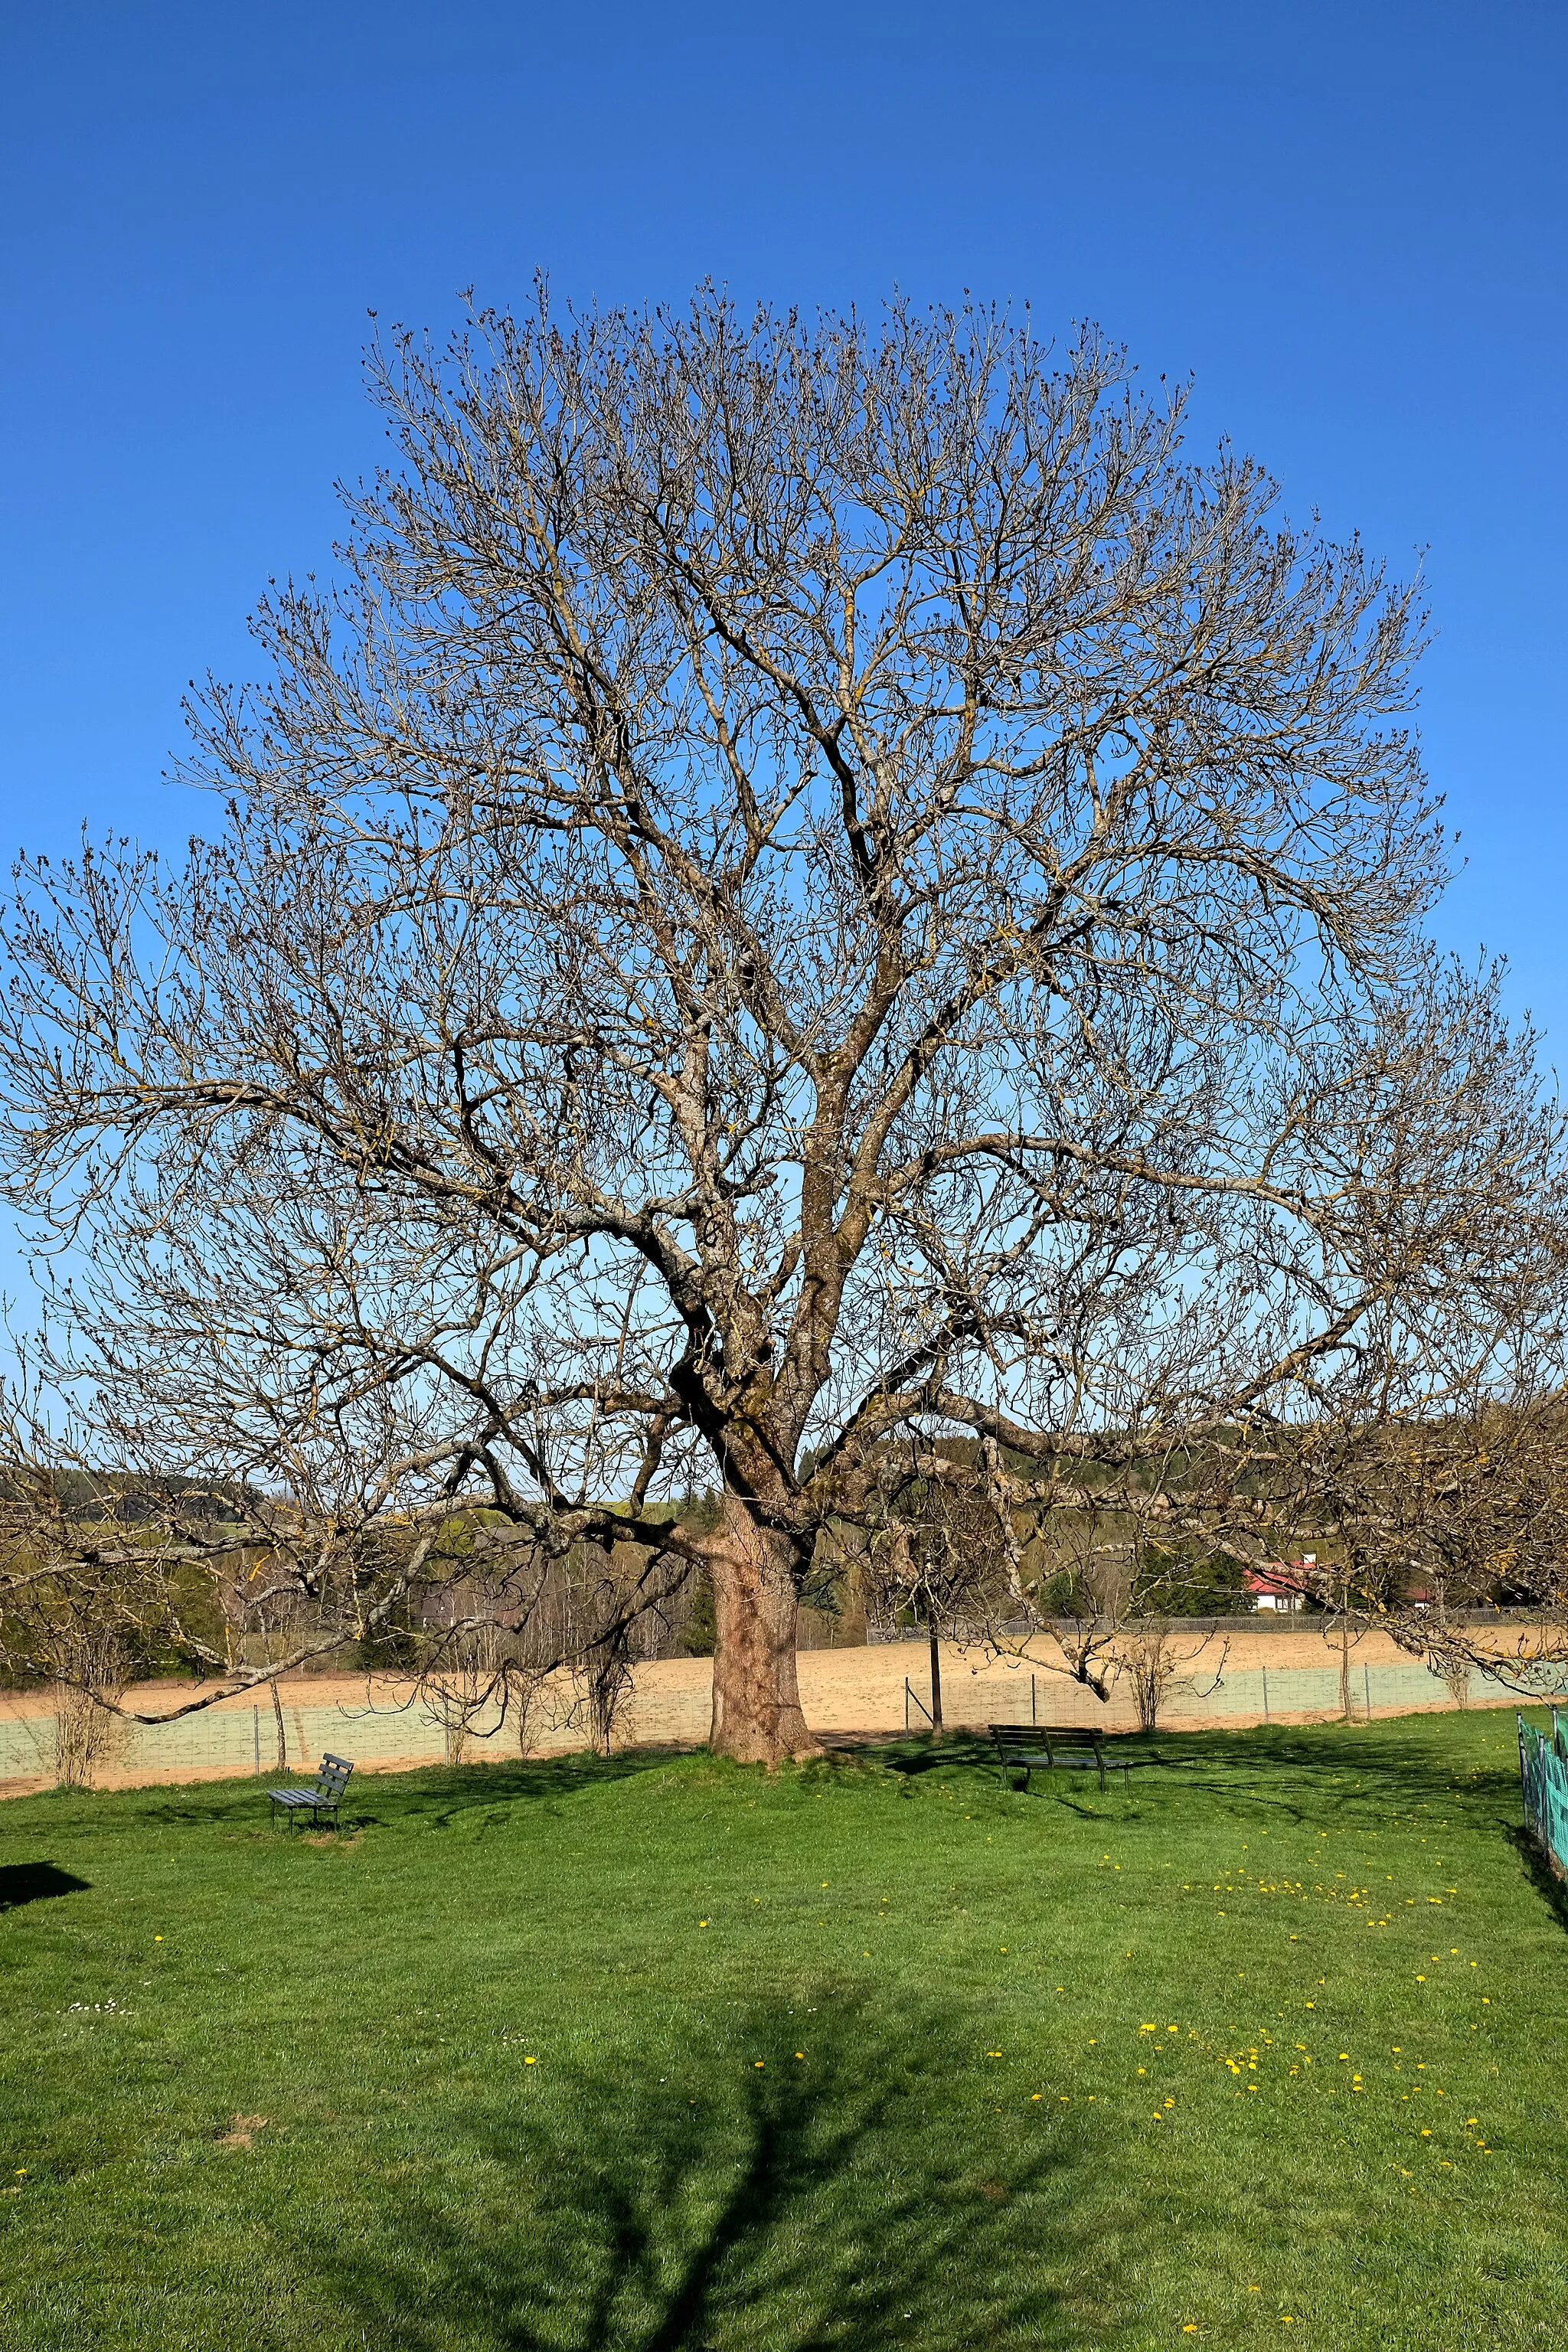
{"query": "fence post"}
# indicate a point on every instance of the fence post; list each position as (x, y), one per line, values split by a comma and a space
(1367, 1686)
(1034, 1711)
(256, 1737)
(1264, 1671)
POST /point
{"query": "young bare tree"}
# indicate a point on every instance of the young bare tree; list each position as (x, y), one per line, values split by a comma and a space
(807, 881)
(932, 1547)
(1428, 1529)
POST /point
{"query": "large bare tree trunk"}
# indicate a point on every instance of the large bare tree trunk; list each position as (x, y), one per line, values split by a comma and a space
(756, 1702)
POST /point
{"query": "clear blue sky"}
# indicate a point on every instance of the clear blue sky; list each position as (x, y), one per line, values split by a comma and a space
(1347, 222)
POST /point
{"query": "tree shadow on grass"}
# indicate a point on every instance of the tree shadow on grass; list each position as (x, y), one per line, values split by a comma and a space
(441, 1795)
(434, 1795)
(868, 2195)
(1552, 1889)
(1300, 1773)
(912, 1759)
(36, 1882)
(1350, 1767)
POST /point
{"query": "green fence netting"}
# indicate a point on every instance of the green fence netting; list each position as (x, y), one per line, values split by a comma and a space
(1543, 1771)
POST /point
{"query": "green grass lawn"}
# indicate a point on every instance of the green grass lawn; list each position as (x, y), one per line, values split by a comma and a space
(665, 2052)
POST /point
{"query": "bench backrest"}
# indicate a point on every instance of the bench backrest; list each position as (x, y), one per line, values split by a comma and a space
(1044, 1737)
(333, 1777)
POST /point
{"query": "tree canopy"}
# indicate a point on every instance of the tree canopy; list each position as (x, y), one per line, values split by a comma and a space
(807, 881)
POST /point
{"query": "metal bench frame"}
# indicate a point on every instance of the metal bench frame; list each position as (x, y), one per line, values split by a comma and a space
(1051, 1748)
(320, 1803)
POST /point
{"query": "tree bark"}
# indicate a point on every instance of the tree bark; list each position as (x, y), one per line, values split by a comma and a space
(757, 1716)
(935, 1680)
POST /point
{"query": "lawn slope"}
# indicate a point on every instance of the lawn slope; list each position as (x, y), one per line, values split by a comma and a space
(660, 2054)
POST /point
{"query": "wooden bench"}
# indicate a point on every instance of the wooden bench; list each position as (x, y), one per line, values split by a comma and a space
(320, 1803)
(1050, 1748)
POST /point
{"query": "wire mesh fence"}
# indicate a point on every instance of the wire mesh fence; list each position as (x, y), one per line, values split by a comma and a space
(241, 1737)
(1543, 1772)
(1243, 1694)
(842, 1693)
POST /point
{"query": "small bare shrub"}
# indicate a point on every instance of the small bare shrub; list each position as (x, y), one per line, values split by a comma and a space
(1145, 1657)
(1456, 1680)
(609, 1688)
(89, 1737)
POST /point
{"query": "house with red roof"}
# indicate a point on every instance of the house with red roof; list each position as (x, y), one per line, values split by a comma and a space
(1280, 1583)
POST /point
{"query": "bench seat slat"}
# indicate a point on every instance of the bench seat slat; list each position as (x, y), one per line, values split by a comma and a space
(327, 1795)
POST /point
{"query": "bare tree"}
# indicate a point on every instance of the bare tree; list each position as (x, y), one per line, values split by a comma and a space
(82, 1601)
(933, 1548)
(1150, 1666)
(808, 881)
(1429, 1527)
